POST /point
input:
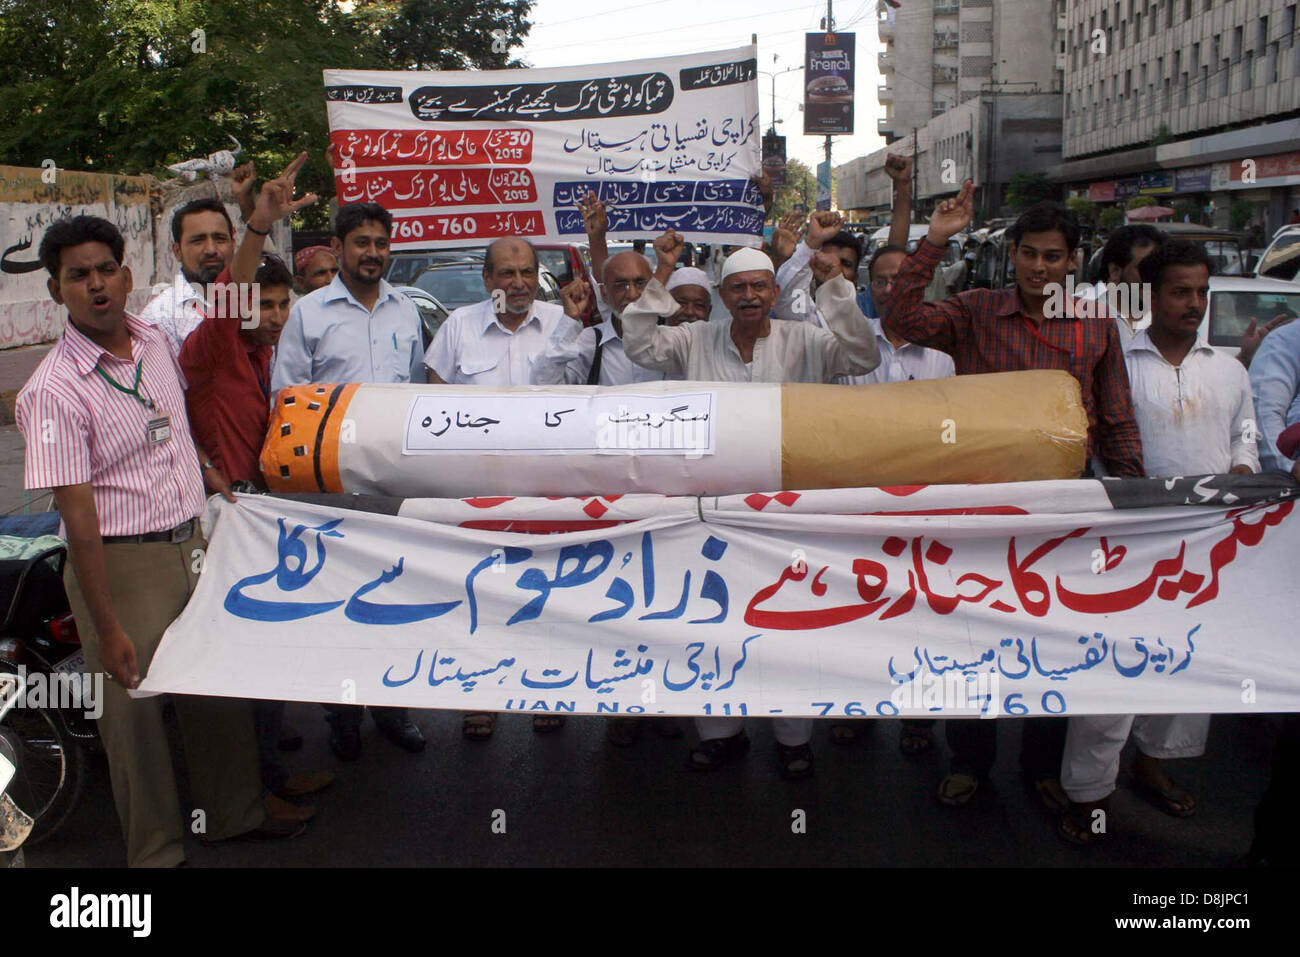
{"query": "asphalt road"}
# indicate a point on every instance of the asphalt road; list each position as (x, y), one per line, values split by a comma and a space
(568, 798)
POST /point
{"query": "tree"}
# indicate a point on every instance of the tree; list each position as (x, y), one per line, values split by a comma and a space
(134, 87)
(1025, 189)
(1084, 208)
(800, 188)
(1137, 202)
(1163, 135)
(1112, 217)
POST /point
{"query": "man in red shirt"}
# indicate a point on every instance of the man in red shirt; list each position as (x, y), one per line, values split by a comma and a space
(227, 363)
(1007, 330)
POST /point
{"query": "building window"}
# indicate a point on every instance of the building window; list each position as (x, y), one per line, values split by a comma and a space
(1263, 34)
(1236, 44)
(1225, 76)
(1203, 87)
(1187, 10)
(1137, 25)
(1270, 71)
(1248, 74)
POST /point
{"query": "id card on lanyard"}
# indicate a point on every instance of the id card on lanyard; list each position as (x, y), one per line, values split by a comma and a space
(158, 427)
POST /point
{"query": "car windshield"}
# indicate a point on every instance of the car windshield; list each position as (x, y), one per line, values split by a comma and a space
(453, 286)
(1232, 310)
(1282, 261)
(1225, 257)
(557, 261)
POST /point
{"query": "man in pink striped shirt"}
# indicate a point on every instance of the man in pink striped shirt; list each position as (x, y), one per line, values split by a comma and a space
(104, 420)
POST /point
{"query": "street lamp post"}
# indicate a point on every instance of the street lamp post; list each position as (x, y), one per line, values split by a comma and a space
(793, 69)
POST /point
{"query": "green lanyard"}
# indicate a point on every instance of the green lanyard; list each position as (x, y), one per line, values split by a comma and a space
(134, 391)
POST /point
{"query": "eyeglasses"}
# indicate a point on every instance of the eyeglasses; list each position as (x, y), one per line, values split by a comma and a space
(623, 285)
(881, 283)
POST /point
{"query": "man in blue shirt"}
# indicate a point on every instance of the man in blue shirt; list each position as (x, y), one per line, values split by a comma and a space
(1275, 383)
(356, 329)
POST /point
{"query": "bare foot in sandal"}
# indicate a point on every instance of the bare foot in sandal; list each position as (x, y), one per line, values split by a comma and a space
(477, 726)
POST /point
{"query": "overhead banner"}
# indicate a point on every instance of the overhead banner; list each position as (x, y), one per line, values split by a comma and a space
(774, 159)
(1064, 597)
(828, 83)
(464, 157)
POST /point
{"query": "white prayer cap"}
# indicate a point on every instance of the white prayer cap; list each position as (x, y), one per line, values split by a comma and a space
(688, 276)
(746, 260)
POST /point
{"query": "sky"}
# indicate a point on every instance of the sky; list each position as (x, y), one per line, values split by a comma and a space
(568, 33)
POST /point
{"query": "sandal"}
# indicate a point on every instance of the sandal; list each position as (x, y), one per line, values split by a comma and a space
(843, 733)
(914, 738)
(1050, 793)
(478, 725)
(1077, 824)
(1173, 800)
(794, 763)
(714, 753)
(957, 789)
(543, 723)
(623, 732)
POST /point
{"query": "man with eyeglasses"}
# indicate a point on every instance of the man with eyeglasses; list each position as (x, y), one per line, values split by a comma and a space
(498, 342)
(750, 346)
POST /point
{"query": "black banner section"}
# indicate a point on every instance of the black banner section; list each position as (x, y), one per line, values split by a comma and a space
(1218, 491)
(635, 95)
(720, 74)
(828, 83)
(364, 94)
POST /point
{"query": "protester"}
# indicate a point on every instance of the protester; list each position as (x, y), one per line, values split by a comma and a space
(497, 342)
(1275, 385)
(693, 293)
(202, 242)
(750, 347)
(1124, 251)
(356, 329)
(314, 267)
(1006, 330)
(227, 366)
(128, 486)
(1193, 406)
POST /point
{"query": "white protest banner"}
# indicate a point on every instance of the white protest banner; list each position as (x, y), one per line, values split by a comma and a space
(462, 158)
(1066, 597)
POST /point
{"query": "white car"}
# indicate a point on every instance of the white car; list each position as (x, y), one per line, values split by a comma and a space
(1235, 300)
(1281, 260)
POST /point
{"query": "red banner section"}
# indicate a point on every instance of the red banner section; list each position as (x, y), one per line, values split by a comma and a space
(467, 226)
(367, 148)
(416, 189)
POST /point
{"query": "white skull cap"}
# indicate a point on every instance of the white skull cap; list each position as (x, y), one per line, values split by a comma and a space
(746, 260)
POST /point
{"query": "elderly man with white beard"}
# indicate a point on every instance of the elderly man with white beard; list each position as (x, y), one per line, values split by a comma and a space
(750, 346)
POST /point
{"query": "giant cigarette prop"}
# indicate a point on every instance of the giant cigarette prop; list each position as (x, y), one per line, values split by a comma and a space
(674, 438)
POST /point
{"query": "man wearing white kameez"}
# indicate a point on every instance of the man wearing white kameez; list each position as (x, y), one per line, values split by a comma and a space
(750, 346)
(1194, 409)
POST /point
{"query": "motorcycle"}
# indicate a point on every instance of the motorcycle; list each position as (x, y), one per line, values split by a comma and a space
(48, 731)
(15, 824)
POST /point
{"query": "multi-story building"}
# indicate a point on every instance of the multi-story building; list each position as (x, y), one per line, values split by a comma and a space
(1193, 101)
(939, 54)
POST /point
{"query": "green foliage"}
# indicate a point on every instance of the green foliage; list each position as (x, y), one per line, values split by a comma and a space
(1137, 202)
(1163, 135)
(1112, 217)
(1084, 208)
(800, 187)
(1240, 214)
(120, 86)
(1025, 189)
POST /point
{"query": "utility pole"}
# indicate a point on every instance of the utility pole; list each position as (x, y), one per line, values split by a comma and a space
(830, 28)
(916, 175)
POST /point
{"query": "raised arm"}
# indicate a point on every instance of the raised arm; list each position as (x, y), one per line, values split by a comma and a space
(936, 325)
(899, 169)
(274, 203)
(646, 342)
(851, 347)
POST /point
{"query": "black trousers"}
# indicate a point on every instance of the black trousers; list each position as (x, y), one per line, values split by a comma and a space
(974, 745)
(1277, 834)
(349, 715)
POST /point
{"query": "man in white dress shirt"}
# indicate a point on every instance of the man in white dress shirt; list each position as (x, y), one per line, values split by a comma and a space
(497, 342)
(1194, 409)
(203, 241)
(750, 346)
(356, 329)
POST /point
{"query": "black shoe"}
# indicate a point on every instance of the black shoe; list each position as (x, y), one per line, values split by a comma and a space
(716, 752)
(345, 741)
(405, 735)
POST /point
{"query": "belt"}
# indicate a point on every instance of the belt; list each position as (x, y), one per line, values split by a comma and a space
(175, 535)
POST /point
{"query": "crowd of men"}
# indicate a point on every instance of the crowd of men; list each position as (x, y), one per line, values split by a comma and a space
(130, 419)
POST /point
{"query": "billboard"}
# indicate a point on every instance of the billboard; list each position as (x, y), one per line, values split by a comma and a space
(828, 83)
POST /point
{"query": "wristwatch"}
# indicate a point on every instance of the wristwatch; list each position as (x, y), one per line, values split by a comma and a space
(207, 464)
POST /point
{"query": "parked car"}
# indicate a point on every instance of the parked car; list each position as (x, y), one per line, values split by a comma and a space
(403, 267)
(567, 261)
(457, 284)
(1281, 260)
(1227, 257)
(1235, 300)
(432, 312)
(915, 233)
